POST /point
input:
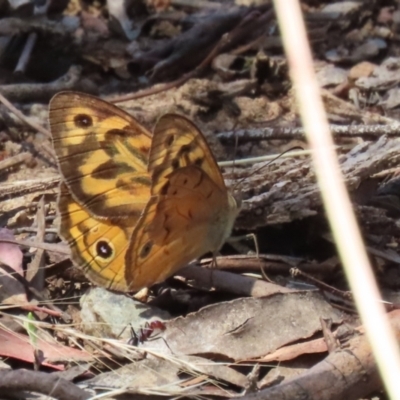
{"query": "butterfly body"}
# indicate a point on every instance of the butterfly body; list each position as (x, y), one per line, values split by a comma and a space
(135, 208)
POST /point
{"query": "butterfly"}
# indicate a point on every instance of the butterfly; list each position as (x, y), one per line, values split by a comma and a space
(135, 207)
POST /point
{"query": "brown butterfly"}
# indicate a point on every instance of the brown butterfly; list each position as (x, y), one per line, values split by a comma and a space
(135, 209)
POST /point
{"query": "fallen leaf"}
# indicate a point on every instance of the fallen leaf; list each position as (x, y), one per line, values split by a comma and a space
(19, 346)
(247, 328)
(11, 291)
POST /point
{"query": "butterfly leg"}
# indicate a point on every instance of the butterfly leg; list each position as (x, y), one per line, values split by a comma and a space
(214, 264)
(123, 330)
(158, 337)
(253, 237)
(134, 339)
(255, 241)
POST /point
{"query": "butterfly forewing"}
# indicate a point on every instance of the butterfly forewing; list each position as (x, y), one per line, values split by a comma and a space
(102, 153)
(178, 143)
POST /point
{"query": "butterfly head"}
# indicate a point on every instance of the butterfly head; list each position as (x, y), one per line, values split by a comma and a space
(234, 205)
(237, 197)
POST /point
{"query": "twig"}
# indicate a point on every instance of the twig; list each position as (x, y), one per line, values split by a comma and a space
(332, 294)
(21, 188)
(231, 283)
(14, 160)
(26, 53)
(295, 272)
(45, 310)
(290, 133)
(254, 44)
(254, 160)
(60, 248)
(35, 269)
(329, 337)
(272, 263)
(16, 26)
(48, 150)
(21, 116)
(349, 373)
(40, 382)
(197, 4)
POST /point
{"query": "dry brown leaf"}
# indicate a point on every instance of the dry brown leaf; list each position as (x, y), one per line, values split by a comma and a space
(247, 328)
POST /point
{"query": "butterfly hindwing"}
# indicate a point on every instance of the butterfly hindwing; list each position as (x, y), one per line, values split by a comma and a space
(98, 246)
(191, 211)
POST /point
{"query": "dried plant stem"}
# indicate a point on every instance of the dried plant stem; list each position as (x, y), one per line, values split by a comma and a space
(291, 133)
(335, 196)
(254, 160)
(22, 117)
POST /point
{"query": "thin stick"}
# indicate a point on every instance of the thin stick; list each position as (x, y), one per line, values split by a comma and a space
(22, 117)
(254, 160)
(335, 197)
(290, 133)
(15, 160)
(26, 52)
(197, 4)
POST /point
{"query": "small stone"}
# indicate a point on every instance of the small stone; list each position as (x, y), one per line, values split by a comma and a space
(396, 17)
(385, 15)
(331, 76)
(382, 32)
(107, 314)
(370, 48)
(391, 99)
(362, 69)
(341, 8)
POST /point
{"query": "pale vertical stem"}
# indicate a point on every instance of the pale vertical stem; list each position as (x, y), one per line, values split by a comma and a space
(336, 200)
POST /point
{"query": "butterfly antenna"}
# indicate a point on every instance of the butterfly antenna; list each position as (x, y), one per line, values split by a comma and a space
(235, 149)
(266, 165)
